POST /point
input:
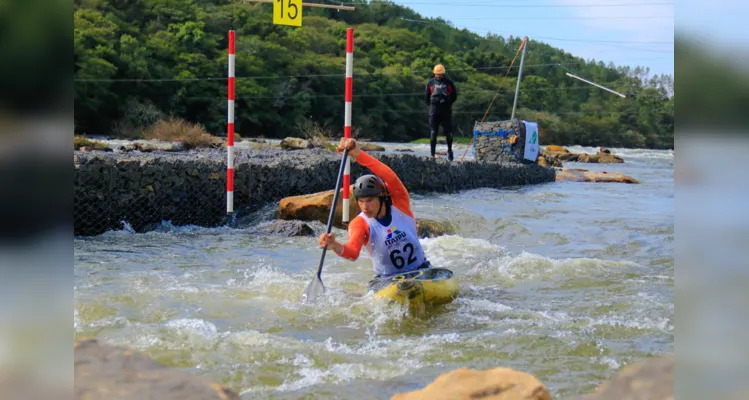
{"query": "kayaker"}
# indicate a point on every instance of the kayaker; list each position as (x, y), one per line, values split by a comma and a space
(386, 223)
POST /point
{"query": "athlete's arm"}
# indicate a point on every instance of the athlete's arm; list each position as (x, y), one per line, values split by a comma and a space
(358, 233)
(398, 192)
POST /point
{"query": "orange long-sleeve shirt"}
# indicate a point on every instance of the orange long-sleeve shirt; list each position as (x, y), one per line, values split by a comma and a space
(358, 228)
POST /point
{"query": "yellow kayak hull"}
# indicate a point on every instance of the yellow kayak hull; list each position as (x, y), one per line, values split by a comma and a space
(419, 288)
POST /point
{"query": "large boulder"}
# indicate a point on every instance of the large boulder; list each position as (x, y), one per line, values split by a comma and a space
(108, 372)
(493, 384)
(584, 175)
(647, 379)
(316, 207)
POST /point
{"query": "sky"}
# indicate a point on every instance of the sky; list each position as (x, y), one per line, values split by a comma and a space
(625, 32)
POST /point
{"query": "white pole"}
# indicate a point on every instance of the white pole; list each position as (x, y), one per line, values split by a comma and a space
(597, 85)
(230, 129)
(347, 120)
(520, 77)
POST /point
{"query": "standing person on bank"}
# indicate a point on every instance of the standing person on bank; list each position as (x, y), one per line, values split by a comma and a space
(440, 94)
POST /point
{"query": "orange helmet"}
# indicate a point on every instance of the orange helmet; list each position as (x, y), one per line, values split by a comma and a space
(439, 69)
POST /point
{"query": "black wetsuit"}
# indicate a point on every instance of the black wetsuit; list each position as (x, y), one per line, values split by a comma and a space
(440, 94)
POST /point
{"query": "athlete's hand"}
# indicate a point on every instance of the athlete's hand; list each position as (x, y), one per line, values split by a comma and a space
(327, 240)
(353, 147)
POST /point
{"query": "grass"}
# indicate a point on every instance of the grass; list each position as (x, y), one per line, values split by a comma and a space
(179, 130)
(319, 136)
(456, 139)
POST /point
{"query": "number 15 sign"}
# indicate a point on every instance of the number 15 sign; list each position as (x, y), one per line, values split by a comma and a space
(287, 12)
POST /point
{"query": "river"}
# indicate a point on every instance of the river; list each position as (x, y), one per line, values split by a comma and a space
(567, 281)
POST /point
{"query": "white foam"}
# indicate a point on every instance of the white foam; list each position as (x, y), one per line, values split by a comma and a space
(479, 305)
(192, 326)
(611, 362)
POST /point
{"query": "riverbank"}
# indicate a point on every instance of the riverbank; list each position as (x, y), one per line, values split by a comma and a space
(140, 190)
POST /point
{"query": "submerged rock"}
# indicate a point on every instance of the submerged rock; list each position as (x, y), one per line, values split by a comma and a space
(285, 228)
(108, 372)
(427, 228)
(648, 379)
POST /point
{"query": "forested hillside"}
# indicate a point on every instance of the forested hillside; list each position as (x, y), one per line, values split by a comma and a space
(140, 61)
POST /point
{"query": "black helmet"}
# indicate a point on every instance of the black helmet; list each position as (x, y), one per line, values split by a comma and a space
(369, 186)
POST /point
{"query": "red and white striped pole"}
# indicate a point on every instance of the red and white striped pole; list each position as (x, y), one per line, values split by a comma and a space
(347, 118)
(230, 130)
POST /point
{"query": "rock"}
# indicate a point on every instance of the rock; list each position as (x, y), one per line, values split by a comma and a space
(316, 207)
(558, 153)
(552, 148)
(371, 147)
(607, 157)
(648, 379)
(292, 143)
(493, 384)
(430, 228)
(255, 140)
(84, 144)
(286, 228)
(599, 158)
(108, 372)
(545, 160)
(586, 158)
(604, 150)
(584, 175)
(404, 150)
(562, 154)
(149, 146)
(571, 157)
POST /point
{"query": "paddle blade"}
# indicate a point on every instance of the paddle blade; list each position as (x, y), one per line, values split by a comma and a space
(314, 289)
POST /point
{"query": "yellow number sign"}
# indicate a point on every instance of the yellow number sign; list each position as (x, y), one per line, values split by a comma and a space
(287, 12)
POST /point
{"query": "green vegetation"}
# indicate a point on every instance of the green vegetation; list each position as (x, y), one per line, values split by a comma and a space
(179, 130)
(137, 62)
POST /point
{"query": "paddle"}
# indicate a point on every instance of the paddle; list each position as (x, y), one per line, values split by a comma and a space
(315, 286)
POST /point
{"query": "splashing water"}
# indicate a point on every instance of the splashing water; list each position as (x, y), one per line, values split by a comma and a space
(567, 281)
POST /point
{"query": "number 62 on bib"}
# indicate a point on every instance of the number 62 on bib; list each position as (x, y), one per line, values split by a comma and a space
(287, 12)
